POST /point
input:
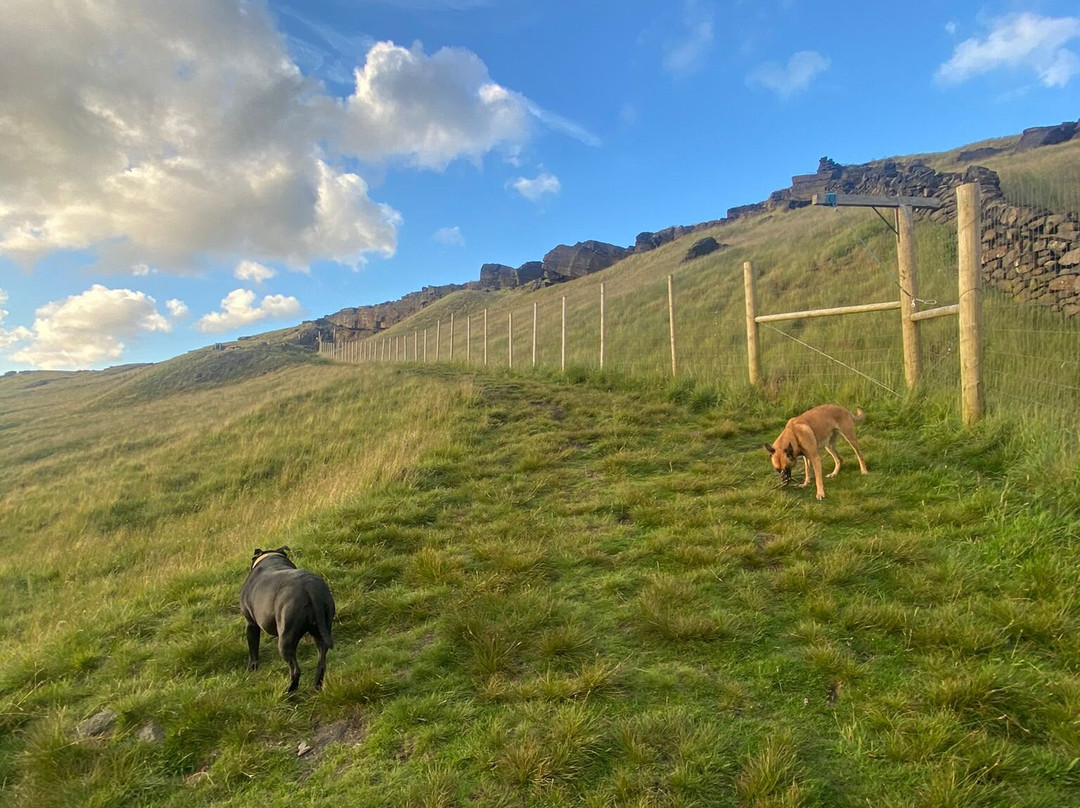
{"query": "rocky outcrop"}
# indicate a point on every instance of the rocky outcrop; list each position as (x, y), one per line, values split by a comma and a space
(650, 241)
(500, 276)
(583, 258)
(1038, 136)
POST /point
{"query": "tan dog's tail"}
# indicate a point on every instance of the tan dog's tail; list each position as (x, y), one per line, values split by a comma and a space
(859, 416)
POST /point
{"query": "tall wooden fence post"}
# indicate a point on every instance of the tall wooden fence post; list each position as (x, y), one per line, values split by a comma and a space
(909, 293)
(534, 333)
(510, 339)
(451, 336)
(968, 245)
(563, 345)
(425, 345)
(485, 336)
(671, 321)
(438, 338)
(468, 340)
(601, 325)
(753, 342)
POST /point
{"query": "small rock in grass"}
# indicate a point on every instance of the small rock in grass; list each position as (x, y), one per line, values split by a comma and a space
(96, 725)
(151, 733)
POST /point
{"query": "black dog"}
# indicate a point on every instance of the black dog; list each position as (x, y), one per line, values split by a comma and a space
(286, 603)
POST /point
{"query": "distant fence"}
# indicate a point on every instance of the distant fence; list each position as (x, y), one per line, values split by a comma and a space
(1026, 360)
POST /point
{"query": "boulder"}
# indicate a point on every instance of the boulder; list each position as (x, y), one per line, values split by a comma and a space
(702, 247)
(529, 272)
(497, 276)
(583, 258)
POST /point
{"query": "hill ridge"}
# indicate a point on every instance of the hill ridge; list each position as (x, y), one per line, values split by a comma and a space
(1037, 281)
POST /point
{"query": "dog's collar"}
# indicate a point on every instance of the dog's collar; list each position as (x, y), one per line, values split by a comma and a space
(257, 561)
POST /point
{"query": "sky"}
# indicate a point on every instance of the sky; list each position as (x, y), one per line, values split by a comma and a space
(174, 175)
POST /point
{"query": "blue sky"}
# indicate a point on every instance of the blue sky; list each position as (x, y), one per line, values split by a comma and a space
(178, 174)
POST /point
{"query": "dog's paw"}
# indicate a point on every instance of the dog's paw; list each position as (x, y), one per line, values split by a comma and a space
(821, 496)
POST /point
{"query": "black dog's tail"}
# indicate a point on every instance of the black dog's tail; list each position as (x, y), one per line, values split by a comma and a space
(324, 616)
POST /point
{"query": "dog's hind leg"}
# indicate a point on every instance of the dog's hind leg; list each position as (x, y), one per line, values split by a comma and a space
(836, 458)
(320, 669)
(287, 643)
(253, 634)
(324, 639)
(849, 436)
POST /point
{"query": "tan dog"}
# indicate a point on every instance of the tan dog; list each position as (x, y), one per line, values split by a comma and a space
(807, 434)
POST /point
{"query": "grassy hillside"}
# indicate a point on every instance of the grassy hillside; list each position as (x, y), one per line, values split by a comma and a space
(555, 591)
(804, 259)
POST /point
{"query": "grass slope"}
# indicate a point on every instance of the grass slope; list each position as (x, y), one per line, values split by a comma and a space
(803, 259)
(551, 592)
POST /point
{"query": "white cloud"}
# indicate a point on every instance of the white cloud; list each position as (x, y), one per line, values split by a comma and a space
(450, 236)
(86, 329)
(170, 135)
(252, 271)
(687, 53)
(536, 188)
(1024, 41)
(430, 110)
(177, 308)
(238, 309)
(794, 77)
(8, 338)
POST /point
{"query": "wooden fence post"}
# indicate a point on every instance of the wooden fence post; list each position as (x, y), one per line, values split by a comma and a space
(438, 339)
(510, 339)
(753, 342)
(468, 340)
(425, 345)
(968, 244)
(563, 349)
(451, 336)
(485, 336)
(909, 292)
(534, 333)
(671, 321)
(601, 325)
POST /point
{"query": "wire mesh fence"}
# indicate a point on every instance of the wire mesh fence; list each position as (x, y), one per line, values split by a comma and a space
(628, 320)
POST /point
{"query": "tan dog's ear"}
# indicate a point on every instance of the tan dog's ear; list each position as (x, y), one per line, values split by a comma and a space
(769, 448)
(789, 452)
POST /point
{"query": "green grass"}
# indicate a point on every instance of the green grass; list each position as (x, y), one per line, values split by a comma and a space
(551, 591)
